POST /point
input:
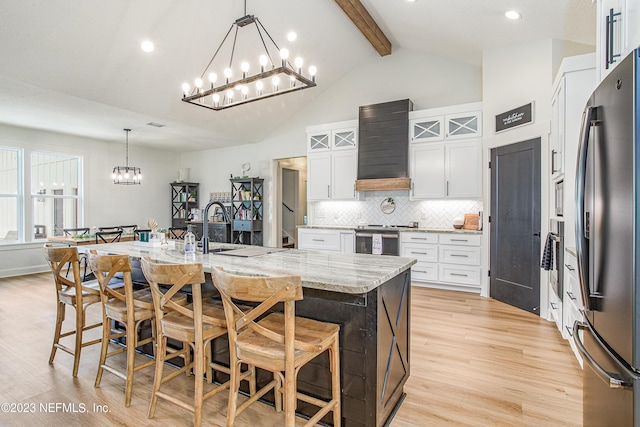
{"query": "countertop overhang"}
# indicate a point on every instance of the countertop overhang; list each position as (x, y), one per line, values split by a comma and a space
(402, 230)
(336, 272)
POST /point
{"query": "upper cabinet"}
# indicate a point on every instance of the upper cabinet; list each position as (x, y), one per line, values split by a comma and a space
(446, 152)
(426, 126)
(332, 161)
(618, 32)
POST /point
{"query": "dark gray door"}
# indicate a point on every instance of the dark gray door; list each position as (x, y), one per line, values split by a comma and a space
(515, 225)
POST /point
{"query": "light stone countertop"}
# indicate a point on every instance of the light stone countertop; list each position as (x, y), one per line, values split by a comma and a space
(331, 271)
(403, 230)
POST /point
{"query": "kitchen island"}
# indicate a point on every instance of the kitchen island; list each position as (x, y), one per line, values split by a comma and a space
(369, 296)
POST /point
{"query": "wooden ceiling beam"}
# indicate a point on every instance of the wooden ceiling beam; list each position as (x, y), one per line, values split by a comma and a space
(366, 24)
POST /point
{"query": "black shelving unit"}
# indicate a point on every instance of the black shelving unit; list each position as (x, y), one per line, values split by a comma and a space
(184, 197)
(247, 199)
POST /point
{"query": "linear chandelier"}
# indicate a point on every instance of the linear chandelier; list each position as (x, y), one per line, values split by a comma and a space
(272, 80)
(126, 175)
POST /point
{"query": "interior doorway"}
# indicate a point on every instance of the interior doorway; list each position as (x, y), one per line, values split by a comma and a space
(291, 199)
(516, 225)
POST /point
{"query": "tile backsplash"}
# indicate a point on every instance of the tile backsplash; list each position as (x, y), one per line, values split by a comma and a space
(428, 213)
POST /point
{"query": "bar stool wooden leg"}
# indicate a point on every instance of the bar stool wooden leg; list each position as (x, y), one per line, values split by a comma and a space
(334, 355)
(78, 346)
(56, 337)
(104, 348)
(157, 380)
(234, 386)
(131, 352)
(198, 371)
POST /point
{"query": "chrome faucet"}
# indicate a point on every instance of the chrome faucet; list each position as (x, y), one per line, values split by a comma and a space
(205, 224)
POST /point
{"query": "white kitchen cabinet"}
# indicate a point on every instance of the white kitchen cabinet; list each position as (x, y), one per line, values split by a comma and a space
(618, 33)
(332, 161)
(427, 171)
(444, 260)
(326, 239)
(572, 301)
(556, 140)
(463, 173)
(427, 129)
(319, 176)
(446, 170)
(463, 125)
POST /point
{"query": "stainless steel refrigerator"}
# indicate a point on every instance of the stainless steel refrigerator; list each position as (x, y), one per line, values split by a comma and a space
(608, 248)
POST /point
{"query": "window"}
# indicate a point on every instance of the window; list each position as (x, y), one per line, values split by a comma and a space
(10, 194)
(55, 193)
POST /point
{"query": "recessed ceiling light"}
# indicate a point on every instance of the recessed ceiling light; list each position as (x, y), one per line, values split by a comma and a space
(411, 1)
(292, 36)
(147, 46)
(512, 14)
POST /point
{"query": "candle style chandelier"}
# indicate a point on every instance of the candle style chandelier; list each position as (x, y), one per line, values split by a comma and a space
(126, 175)
(272, 80)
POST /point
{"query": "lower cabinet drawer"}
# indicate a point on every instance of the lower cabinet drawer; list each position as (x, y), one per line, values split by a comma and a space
(427, 253)
(424, 271)
(465, 255)
(328, 240)
(459, 274)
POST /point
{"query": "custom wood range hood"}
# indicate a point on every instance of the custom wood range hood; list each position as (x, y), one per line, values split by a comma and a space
(383, 146)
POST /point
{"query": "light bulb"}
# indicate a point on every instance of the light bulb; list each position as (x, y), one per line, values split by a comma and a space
(216, 98)
(113, 175)
(230, 94)
(119, 176)
(140, 175)
(126, 174)
(244, 66)
(284, 54)
(244, 90)
(185, 88)
(228, 73)
(259, 86)
(292, 79)
(312, 72)
(263, 62)
(147, 46)
(299, 61)
(213, 77)
(275, 81)
(198, 83)
(292, 36)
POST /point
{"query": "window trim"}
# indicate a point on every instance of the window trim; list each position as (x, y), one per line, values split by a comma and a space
(18, 196)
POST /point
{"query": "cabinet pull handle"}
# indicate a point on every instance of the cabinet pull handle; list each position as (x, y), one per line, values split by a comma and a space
(553, 161)
(419, 271)
(418, 253)
(570, 268)
(459, 240)
(570, 330)
(329, 191)
(570, 295)
(413, 191)
(418, 238)
(318, 240)
(460, 255)
(447, 188)
(553, 305)
(458, 274)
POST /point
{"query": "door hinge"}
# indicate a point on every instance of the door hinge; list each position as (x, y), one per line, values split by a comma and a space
(489, 165)
(489, 273)
(489, 218)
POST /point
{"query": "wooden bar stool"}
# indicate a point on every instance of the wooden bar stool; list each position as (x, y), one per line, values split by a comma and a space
(71, 292)
(126, 306)
(277, 343)
(198, 324)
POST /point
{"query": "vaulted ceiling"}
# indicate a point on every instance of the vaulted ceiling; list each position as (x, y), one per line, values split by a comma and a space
(75, 66)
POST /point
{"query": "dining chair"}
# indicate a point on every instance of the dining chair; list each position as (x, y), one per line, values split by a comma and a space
(128, 229)
(199, 323)
(75, 231)
(108, 236)
(278, 342)
(74, 293)
(177, 232)
(123, 307)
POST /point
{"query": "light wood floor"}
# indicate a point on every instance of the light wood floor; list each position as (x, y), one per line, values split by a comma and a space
(474, 362)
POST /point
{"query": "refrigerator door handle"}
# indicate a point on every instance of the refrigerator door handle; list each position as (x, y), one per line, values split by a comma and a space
(614, 380)
(581, 238)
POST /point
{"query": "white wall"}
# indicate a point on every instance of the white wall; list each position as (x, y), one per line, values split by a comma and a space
(429, 81)
(106, 204)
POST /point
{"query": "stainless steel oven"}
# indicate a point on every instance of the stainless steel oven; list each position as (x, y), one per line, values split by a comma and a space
(378, 240)
(556, 232)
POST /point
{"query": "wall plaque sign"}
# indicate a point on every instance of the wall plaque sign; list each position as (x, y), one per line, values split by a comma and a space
(516, 117)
